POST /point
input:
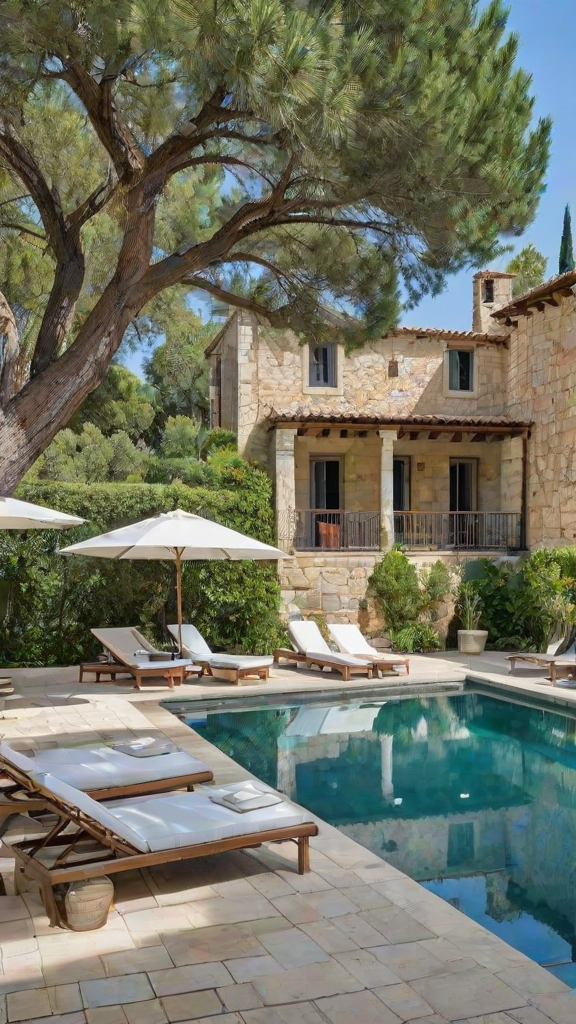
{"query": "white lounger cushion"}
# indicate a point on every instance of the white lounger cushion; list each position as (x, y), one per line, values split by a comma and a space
(174, 820)
(351, 641)
(308, 640)
(93, 768)
(195, 646)
(122, 644)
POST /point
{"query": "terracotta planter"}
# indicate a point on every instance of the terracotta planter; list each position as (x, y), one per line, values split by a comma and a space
(472, 641)
(87, 903)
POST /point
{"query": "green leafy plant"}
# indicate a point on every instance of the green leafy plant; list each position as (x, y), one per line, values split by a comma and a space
(394, 584)
(416, 637)
(469, 606)
(436, 584)
(48, 603)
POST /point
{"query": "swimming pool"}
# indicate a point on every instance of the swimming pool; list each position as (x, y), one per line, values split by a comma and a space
(473, 796)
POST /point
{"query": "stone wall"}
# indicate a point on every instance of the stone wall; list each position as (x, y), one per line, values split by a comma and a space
(272, 374)
(430, 472)
(335, 584)
(541, 375)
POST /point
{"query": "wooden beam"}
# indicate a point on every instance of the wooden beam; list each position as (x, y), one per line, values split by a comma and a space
(540, 306)
(343, 433)
(457, 436)
(401, 434)
(478, 437)
(566, 292)
(414, 435)
(433, 435)
(550, 300)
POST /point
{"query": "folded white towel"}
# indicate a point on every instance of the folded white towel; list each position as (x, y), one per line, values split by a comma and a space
(148, 746)
(249, 798)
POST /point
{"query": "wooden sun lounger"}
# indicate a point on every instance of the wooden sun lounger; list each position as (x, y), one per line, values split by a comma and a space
(81, 847)
(160, 666)
(548, 661)
(318, 660)
(19, 793)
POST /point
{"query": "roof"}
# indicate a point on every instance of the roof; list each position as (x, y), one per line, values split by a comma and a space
(447, 335)
(304, 413)
(491, 273)
(212, 344)
(540, 296)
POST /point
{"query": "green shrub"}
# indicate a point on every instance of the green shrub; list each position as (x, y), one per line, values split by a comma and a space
(394, 584)
(218, 438)
(48, 603)
(525, 606)
(436, 585)
(416, 637)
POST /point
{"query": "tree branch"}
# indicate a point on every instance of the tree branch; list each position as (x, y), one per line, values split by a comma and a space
(239, 301)
(117, 138)
(25, 167)
(22, 228)
(9, 351)
(94, 202)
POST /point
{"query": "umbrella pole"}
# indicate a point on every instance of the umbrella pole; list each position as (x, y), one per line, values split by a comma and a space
(179, 599)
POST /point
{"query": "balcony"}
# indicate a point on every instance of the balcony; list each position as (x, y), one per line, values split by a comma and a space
(459, 531)
(339, 530)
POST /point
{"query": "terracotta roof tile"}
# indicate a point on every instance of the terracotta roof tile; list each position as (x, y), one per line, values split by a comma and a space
(540, 293)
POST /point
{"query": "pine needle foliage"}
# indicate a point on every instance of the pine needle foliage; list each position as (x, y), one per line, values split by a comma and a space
(294, 158)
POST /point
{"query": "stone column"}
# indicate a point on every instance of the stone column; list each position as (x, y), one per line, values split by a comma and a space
(511, 474)
(386, 762)
(387, 437)
(285, 487)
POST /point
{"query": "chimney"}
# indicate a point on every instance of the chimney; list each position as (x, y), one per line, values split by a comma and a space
(491, 290)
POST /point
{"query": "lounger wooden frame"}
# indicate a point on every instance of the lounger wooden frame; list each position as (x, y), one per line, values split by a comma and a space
(543, 660)
(230, 673)
(22, 795)
(320, 662)
(115, 854)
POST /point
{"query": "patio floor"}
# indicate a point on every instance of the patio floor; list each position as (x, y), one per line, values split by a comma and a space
(241, 937)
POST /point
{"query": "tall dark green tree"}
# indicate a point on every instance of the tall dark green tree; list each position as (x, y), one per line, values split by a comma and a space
(566, 261)
(278, 155)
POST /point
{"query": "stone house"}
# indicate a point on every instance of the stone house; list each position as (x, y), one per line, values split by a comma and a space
(453, 443)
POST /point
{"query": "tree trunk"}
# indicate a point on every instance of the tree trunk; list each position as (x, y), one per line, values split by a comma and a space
(30, 419)
(48, 401)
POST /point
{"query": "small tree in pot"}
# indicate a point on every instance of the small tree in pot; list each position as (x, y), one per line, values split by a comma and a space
(471, 640)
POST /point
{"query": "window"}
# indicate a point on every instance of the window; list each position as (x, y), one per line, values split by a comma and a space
(488, 290)
(323, 366)
(401, 484)
(460, 844)
(460, 370)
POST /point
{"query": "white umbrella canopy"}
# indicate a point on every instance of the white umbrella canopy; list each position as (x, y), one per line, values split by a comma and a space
(21, 515)
(176, 536)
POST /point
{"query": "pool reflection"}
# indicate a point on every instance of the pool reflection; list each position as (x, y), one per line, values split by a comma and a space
(473, 796)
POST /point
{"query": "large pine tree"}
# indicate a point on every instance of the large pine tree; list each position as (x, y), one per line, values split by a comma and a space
(280, 155)
(566, 260)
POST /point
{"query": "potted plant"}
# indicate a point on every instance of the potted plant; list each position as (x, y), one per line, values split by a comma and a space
(471, 640)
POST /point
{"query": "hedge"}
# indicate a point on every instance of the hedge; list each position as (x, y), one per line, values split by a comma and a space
(48, 603)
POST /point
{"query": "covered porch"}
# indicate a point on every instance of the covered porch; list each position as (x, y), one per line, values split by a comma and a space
(428, 483)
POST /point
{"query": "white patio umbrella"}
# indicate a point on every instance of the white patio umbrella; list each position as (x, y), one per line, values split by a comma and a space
(21, 515)
(177, 537)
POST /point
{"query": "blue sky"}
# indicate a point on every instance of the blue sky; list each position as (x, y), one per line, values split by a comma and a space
(547, 31)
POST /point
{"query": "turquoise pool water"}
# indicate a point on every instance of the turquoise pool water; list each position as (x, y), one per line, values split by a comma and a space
(473, 796)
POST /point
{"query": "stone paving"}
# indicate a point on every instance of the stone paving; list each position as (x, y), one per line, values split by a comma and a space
(241, 938)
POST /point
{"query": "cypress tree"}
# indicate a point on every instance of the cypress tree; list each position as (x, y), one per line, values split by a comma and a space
(566, 261)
